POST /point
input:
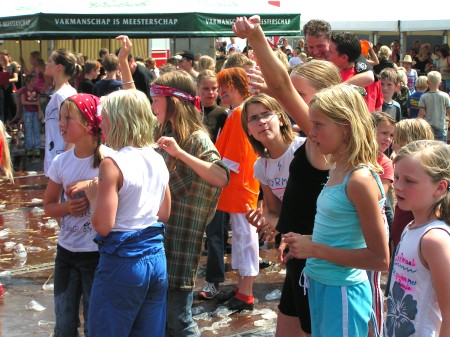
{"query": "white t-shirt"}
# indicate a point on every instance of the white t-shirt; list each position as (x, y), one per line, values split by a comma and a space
(145, 178)
(77, 233)
(412, 303)
(54, 143)
(275, 172)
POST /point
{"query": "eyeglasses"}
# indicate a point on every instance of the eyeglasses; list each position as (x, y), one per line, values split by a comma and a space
(264, 117)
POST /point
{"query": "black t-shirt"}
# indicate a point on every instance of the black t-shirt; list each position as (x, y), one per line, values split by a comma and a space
(86, 86)
(142, 78)
(105, 87)
(383, 65)
(214, 118)
(298, 208)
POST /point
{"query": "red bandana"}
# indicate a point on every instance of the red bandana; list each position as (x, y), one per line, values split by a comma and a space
(90, 107)
(161, 90)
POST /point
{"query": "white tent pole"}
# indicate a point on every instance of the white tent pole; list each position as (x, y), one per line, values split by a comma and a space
(402, 44)
(149, 48)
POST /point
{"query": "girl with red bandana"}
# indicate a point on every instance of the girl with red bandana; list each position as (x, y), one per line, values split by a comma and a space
(70, 172)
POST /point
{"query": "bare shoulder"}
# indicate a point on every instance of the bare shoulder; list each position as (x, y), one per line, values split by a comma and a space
(361, 184)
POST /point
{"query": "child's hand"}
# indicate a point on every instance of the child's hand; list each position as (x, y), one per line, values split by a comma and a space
(281, 254)
(170, 145)
(300, 246)
(257, 83)
(92, 192)
(265, 230)
(76, 190)
(125, 46)
(244, 27)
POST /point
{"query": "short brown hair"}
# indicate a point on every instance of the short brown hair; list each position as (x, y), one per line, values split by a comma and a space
(317, 28)
(390, 74)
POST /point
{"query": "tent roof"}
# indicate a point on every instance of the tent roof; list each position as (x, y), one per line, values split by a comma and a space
(40, 19)
(143, 18)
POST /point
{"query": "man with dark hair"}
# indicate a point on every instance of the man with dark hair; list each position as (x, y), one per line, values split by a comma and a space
(186, 63)
(344, 48)
(318, 34)
(344, 51)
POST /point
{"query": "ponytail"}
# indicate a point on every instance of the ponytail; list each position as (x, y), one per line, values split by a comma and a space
(98, 157)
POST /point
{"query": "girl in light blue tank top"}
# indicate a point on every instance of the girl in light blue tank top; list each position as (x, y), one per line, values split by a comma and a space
(349, 234)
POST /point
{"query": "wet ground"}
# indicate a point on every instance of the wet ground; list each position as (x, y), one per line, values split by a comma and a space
(27, 246)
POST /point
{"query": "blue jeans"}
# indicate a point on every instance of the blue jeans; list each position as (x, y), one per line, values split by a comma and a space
(130, 286)
(439, 134)
(74, 275)
(32, 130)
(179, 314)
(215, 239)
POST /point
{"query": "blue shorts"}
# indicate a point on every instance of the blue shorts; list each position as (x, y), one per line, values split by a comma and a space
(340, 311)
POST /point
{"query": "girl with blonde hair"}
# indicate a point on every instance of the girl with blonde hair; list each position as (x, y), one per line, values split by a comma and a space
(307, 170)
(206, 62)
(406, 131)
(130, 200)
(419, 294)
(349, 232)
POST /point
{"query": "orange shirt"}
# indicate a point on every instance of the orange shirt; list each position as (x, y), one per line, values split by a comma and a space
(236, 150)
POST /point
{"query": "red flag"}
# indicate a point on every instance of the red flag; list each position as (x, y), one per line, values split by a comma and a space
(275, 3)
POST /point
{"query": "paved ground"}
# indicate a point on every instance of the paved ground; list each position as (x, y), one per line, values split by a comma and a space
(30, 278)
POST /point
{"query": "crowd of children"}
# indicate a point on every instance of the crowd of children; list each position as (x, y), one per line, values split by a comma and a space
(135, 184)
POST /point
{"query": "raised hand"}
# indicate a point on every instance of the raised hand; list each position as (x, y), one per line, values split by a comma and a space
(244, 27)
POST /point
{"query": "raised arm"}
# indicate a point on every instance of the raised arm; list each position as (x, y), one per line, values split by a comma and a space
(274, 73)
(127, 77)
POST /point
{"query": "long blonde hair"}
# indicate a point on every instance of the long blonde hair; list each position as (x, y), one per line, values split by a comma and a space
(344, 105)
(5, 164)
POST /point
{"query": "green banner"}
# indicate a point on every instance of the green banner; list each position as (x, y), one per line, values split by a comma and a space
(54, 26)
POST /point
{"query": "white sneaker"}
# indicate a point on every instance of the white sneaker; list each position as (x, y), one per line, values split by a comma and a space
(209, 291)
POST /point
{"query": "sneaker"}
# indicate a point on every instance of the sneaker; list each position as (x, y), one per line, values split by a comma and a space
(235, 304)
(209, 291)
(225, 296)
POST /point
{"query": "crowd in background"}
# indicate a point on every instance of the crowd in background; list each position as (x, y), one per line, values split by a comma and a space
(228, 137)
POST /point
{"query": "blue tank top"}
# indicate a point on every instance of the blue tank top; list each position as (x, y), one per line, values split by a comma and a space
(337, 224)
